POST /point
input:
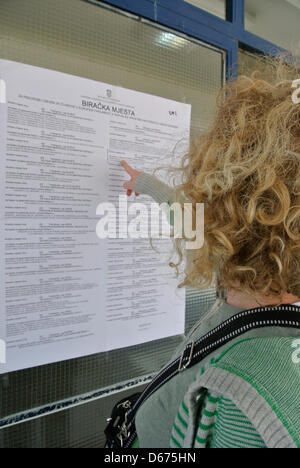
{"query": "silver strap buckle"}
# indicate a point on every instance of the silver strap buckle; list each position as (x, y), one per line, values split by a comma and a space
(123, 434)
(182, 366)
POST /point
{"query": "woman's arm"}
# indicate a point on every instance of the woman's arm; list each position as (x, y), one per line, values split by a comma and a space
(221, 424)
(147, 184)
(150, 185)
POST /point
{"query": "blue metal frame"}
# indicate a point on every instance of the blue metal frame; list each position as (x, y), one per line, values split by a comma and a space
(228, 35)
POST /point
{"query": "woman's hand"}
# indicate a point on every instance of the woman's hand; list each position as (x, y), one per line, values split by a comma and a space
(133, 177)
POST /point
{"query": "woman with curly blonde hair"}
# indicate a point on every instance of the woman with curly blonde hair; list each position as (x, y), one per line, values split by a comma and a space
(246, 170)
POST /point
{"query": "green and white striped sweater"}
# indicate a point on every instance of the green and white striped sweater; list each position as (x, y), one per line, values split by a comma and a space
(225, 420)
(252, 401)
(221, 425)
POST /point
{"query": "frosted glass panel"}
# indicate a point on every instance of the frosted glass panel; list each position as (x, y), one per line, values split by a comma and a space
(274, 20)
(77, 37)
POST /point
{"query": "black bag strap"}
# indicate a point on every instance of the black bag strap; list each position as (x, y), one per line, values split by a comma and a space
(287, 316)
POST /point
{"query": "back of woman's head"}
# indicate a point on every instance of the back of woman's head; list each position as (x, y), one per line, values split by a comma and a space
(246, 170)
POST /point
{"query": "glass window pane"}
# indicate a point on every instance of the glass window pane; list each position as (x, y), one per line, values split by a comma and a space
(216, 7)
(249, 62)
(275, 20)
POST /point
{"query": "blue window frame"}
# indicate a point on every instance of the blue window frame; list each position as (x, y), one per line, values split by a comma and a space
(228, 35)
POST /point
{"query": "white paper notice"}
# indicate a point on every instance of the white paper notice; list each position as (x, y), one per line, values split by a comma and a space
(64, 292)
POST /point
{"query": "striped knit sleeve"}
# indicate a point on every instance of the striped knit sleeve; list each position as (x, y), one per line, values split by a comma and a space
(180, 427)
(150, 185)
(232, 429)
(221, 425)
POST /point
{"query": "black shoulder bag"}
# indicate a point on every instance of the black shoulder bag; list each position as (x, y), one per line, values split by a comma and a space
(120, 431)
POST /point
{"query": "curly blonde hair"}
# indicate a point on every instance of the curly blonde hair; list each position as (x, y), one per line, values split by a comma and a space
(246, 170)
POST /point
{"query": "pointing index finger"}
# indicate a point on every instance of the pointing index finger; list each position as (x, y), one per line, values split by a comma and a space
(127, 167)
